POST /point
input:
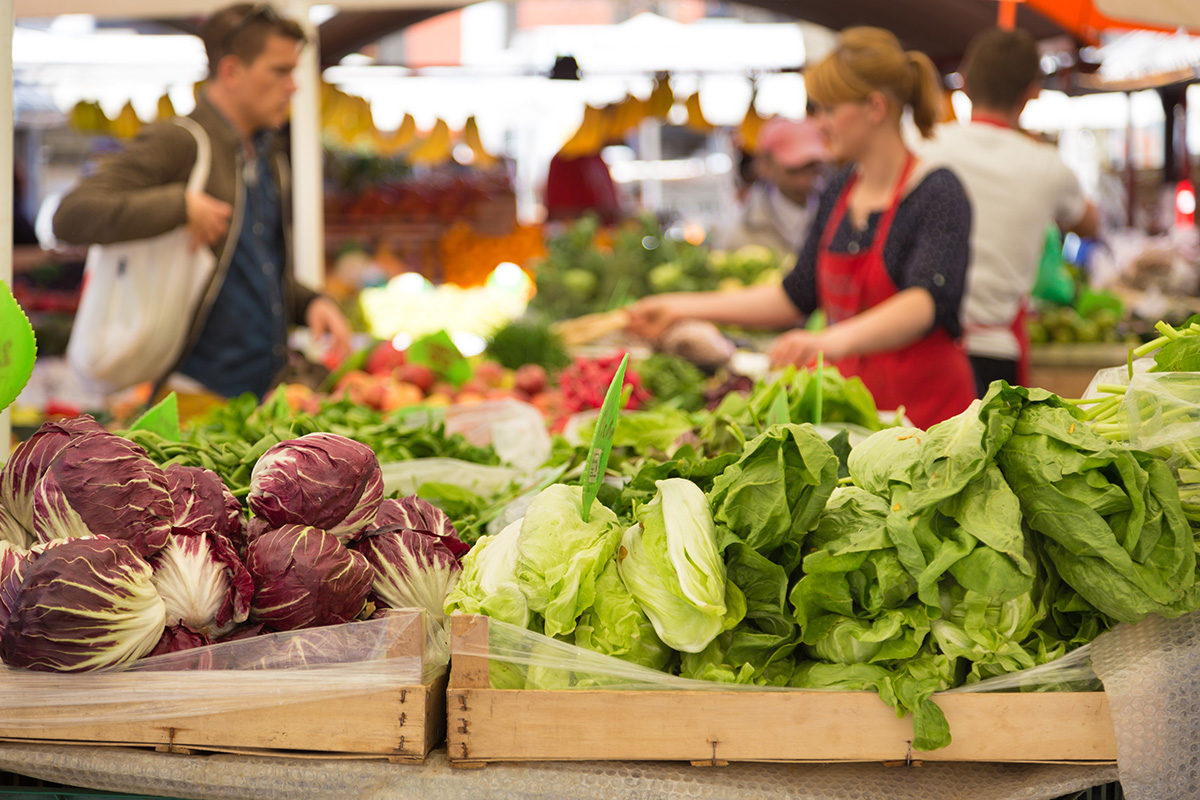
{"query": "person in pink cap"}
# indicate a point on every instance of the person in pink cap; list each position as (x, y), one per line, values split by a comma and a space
(790, 162)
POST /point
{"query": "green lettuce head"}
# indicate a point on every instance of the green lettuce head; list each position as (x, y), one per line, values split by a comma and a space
(672, 566)
(616, 625)
(560, 557)
(488, 584)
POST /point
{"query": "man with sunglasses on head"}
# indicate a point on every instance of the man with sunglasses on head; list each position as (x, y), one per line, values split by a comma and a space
(244, 213)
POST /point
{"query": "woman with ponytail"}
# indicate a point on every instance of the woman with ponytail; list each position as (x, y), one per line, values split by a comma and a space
(887, 253)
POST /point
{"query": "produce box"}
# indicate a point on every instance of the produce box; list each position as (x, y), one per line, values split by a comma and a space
(364, 689)
(714, 727)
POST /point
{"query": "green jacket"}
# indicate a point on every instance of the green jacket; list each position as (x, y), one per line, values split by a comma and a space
(139, 193)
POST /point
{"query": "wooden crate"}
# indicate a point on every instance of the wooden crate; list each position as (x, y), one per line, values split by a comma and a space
(716, 727)
(401, 724)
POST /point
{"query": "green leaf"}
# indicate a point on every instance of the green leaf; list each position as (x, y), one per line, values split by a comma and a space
(161, 419)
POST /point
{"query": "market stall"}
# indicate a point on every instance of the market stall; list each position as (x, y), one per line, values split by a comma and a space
(632, 567)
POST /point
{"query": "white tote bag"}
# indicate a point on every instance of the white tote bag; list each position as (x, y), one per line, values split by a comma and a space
(140, 299)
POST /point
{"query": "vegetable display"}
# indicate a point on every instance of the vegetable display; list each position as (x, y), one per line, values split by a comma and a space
(997, 540)
(133, 560)
(231, 438)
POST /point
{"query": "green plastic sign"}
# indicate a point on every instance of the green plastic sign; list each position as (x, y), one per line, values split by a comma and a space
(602, 439)
(162, 419)
(437, 351)
(18, 348)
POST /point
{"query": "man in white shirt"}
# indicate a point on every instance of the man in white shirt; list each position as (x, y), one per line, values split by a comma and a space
(1017, 187)
(790, 161)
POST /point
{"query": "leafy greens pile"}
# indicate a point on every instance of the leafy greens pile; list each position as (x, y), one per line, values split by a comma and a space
(232, 437)
(995, 541)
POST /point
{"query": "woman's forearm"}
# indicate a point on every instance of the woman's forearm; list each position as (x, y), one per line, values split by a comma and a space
(897, 322)
(766, 306)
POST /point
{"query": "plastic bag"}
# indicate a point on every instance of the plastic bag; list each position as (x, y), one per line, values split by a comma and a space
(516, 430)
(257, 672)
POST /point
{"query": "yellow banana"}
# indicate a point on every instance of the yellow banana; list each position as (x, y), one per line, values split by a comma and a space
(127, 124)
(590, 137)
(81, 117)
(695, 115)
(436, 147)
(748, 130)
(166, 109)
(470, 137)
(662, 98)
(391, 144)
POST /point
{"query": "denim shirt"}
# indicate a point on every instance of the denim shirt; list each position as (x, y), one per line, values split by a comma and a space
(243, 345)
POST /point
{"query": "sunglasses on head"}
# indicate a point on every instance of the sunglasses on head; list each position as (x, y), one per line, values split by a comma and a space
(263, 11)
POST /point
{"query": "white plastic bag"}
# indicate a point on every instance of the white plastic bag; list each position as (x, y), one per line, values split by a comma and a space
(140, 299)
(516, 430)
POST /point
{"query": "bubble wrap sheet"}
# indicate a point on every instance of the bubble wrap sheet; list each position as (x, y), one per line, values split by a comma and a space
(218, 777)
(1151, 674)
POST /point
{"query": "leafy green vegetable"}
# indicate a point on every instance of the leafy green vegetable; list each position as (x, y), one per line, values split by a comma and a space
(775, 491)
(488, 584)
(1115, 529)
(616, 625)
(673, 380)
(528, 341)
(671, 565)
(231, 438)
(560, 557)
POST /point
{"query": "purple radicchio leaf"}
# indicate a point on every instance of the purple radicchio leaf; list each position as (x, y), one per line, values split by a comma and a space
(30, 460)
(420, 515)
(84, 604)
(411, 569)
(177, 638)
(104, 485)
(203, 582)
(202, 501)
(305, 577)
(322, 479)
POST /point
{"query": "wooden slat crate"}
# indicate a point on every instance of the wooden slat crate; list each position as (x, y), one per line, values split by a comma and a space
(401, 724)
(716, 727)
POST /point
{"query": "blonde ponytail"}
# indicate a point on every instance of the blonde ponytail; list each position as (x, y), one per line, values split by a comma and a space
(869, 60)
(926, 97)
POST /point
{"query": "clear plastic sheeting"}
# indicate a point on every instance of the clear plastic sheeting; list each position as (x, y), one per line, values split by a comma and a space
(218, 777)
(520, 658)
(1151, 674)
(258, 672)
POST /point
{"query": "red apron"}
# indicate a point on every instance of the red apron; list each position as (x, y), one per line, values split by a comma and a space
(932, 377)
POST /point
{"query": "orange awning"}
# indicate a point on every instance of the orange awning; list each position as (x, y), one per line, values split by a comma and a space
(1085, 20)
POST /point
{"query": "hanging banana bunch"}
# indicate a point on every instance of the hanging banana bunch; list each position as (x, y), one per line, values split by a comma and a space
(166, 109)
(662, 98)
(751, 123)
(591, 136)
(127, 124)
(470, 137)
(436, 147)
(695, 115)
(625, 116)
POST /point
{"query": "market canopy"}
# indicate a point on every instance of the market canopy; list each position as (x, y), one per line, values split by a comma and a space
(941, 28)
